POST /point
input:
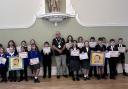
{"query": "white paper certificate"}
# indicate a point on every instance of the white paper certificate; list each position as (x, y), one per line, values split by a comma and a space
(23, 55)
(83, 56)
(114, 53)
(2, 60)
(122, 49)
(92, 44)
(34, 61)
(75, 53)
(80, 45)
(107, 55)
(47, 50)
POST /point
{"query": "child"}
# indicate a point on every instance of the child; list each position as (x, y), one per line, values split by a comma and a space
(23, 73)
(122, 56)
(12, 73)
(106, 43)
(47, 60)
(12, 44)
(34, 61)
(86, 62)
(100, 48)
(68, 46)
(112, 60)
(75, 61)
(92, 68)
(80, 42)
(3, 65)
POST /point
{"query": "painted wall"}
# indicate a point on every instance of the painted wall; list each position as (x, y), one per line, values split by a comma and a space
(44, 31)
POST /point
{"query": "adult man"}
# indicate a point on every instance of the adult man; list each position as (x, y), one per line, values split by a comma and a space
(60, 57)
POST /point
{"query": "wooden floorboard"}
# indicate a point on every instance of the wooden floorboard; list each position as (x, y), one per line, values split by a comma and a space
(66, 83)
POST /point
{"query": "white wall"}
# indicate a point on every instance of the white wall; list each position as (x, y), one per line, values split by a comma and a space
(101, 12)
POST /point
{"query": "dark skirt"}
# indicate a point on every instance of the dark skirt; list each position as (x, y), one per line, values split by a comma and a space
(85, 64)
(74, 63)
(35, 67)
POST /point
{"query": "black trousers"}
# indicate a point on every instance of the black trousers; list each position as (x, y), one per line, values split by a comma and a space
(3, 72)
(91, 70)
(68, 64)
(23, 73)
(112, 66)
(13, 75)
(105, 67)
(47, 67)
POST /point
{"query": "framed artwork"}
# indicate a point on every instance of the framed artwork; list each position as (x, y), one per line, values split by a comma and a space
(97, 59)
(16, 63)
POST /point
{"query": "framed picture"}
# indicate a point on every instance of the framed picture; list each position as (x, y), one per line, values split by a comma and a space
(97, 59)
(16, 63)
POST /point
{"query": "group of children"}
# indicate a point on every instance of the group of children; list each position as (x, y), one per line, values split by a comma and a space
(77, 67)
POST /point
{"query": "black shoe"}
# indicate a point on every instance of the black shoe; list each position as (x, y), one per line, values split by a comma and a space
(112, 77)
(66, 76)
(49, 76)
(85, 78)
(78, 79)
(26, 79)
(73, 79)
(5, 80)
(20, 80)
(58, 76)
(88, 78)
(37, 80)
(98, 77)
(2, 80)
(44, 77)
(125, 74)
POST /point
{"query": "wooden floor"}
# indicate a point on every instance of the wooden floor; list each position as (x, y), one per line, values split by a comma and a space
(120, 83)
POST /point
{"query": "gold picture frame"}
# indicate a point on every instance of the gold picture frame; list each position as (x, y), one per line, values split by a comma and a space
(97, 59)
(16, 63)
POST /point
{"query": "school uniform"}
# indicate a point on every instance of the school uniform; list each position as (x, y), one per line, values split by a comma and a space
(112, 62)
(101, 49)
(23, 73)
(34, 54)
(12, 73)
(122, 55)
(85, 63)
(92, 68)
(75, 65)
(68, 60)
(47, 62)
(4, 69)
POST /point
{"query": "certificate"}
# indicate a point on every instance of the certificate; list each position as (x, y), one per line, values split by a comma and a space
(75, 53)
(15, 63)
(107, 55)
(47, 50)
(92, 44)
(83, 56)
(3, 60)
(122, 49)
(80, 45)
(34, 61)
(68, 45)
(114, 53)
(18, 49)
(23, 55)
